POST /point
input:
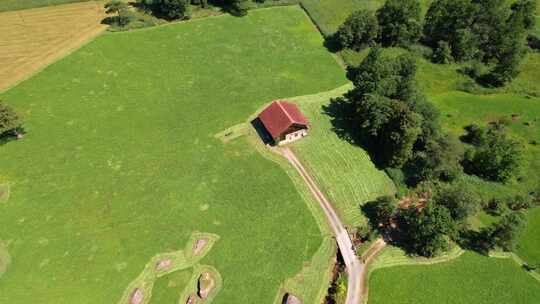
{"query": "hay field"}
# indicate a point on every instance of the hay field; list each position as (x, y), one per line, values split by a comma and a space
(120, 162)
(12, 5)
(31, 39)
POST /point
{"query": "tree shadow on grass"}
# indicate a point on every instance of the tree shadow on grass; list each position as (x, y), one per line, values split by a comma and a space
(332, 44)
(342, 117)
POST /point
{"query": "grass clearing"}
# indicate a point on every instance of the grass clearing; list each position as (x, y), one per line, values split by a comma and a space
(32, 39)
(121, 163)
(529, 244)
(343, 171)
(460, 109)
(471, 278)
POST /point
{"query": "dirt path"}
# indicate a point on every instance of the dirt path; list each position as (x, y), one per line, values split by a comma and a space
(356, 269)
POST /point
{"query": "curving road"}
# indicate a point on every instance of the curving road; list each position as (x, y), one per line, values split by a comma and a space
(355, 267)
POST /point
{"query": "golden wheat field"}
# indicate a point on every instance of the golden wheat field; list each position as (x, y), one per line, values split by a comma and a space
(33, 38)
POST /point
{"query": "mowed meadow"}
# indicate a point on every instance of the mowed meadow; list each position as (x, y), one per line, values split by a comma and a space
(471, 278)
(120, 162)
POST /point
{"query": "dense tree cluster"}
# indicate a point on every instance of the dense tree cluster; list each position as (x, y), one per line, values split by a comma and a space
(494, 156)
(491, 32)
(402, 126)
(486, 30)
(181, 9)
(427, 226)
(10, 122)
(168, 9)
(397, 22)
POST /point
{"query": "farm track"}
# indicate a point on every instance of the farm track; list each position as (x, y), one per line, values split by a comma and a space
(34, 38)
(356, 268)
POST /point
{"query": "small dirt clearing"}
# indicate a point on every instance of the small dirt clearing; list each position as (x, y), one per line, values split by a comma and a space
(199, 246)
(33, 38)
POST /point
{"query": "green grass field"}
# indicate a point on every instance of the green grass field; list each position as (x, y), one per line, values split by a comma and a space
(471, 278)
(529, 244)
(120, 161)
(13, 5)
(460, 109)
(343, 171)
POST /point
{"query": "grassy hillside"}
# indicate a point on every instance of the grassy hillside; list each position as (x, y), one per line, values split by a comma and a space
(529, 244)
(342, 170)
(120, 161)
(523, 116)
(470, 278)
(13, 5)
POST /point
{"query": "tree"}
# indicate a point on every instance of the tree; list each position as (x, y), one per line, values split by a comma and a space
(443, 53)
(524, 12)
(426, 231)
(171, 9)
(439, 158)
(120, 8)
(460, 201)
(400, 22)
(10, 122)
(445, 17)
(239, 7)
(508, 66)
(497, 159)
(506, 232)
(359, 30)
(476, 135)
(380, 211)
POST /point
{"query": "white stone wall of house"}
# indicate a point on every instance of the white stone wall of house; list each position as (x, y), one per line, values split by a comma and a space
(293, 136)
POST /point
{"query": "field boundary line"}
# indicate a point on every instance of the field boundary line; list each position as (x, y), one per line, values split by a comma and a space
(514, 257)
(172, 23)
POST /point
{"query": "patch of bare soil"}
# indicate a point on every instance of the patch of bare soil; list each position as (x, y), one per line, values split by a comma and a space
(163, 264)
(192, 299)
(137, 296)
(205, 285)
(291, 299)
(199, 246)
(34, 38)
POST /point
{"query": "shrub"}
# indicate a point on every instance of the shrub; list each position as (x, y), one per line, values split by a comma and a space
(520, 202)
(359, 30)
(442, 54)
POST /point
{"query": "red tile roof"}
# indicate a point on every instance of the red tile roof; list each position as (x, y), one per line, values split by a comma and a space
(280, 115)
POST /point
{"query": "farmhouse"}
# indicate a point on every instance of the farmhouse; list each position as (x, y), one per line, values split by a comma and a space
(284, 122)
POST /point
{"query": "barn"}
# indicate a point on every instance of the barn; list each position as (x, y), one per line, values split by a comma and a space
(284, 122)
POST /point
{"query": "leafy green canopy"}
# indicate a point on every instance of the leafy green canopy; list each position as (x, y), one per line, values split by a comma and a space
(401, 126)
(495, 156)
(400, 22)
(487, 30)
(359, 30)
(9, 120)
